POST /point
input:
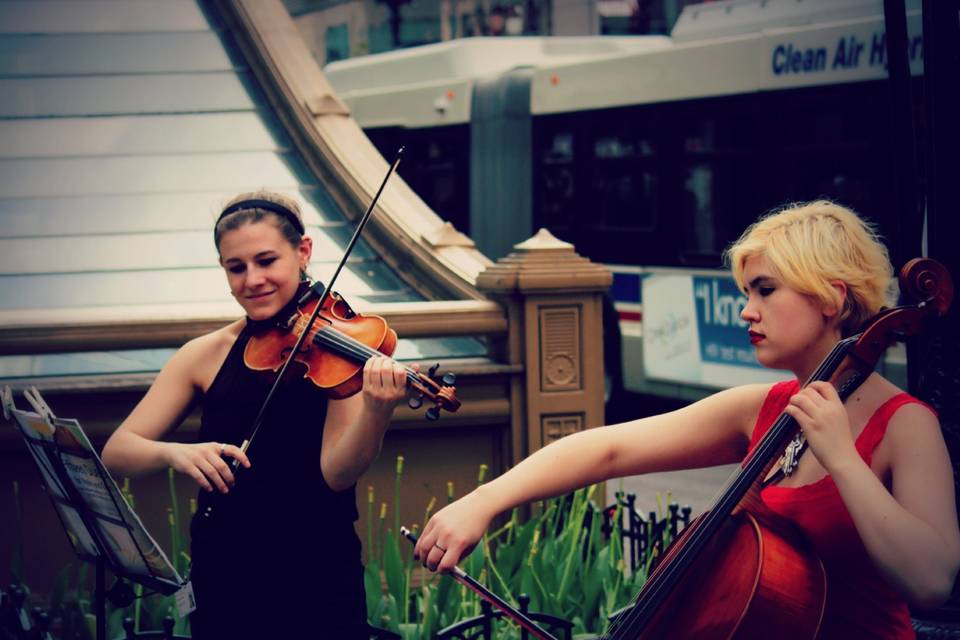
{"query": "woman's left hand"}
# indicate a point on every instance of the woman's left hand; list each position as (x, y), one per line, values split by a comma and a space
(823, 418)
(384, 384)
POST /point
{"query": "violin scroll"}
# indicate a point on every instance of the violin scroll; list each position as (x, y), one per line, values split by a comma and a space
(442, 394)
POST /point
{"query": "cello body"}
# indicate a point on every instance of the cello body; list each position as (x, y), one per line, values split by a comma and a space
(754, 581)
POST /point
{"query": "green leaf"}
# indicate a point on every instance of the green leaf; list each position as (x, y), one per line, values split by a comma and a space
(393, 567)
(448, 600)
(59, 591)
(115, 623)
(16, 558)
(475, 562)
(593, 582)
(530, 586)
(90, 624)
(372, 585)
(391, 614)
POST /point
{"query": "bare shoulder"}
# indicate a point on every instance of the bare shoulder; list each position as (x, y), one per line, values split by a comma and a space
(914, 420)
(913, 431)
(882, 390)
(200, 358)
(740, 404)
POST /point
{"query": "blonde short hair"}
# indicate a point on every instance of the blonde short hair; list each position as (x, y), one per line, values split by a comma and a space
(810, 245)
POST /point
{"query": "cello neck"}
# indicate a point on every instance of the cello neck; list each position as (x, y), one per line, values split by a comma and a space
(669, 574)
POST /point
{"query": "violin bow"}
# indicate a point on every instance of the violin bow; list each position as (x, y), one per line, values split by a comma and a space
(258, 421)
(511, 612)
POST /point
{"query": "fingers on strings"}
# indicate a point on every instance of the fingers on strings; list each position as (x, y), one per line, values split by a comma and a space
(385, 373)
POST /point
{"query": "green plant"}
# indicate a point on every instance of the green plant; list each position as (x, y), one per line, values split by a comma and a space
(559, 557)
(149, 609)
(70, 605)
(16, 558)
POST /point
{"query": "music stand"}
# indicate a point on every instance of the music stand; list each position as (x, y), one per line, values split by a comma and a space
(101, 526)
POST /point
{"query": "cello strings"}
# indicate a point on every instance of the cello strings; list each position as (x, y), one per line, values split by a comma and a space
(637, 616)
(739, 485)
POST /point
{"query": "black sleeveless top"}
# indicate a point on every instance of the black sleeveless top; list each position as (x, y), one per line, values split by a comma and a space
(278, 558)
(283, 495)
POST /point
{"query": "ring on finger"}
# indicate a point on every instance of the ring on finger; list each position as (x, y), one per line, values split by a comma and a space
(437, 545)
(223, 446)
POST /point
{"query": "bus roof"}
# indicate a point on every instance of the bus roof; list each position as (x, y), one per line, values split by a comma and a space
(736, 17)
(715, 49)
(431, 85)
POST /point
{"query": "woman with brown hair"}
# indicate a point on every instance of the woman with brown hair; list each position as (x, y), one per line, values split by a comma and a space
(279, 557)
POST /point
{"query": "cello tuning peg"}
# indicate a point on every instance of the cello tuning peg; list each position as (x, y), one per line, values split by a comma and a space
(433, 413)
(449, 379)
(432, 371)
(415, 402)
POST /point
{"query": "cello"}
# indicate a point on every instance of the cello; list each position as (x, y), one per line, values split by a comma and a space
(757, 574)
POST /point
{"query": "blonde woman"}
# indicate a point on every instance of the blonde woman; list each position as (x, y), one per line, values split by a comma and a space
(279, 558)
(874, 494)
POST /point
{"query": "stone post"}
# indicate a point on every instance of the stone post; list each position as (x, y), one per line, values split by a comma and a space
(554, 302)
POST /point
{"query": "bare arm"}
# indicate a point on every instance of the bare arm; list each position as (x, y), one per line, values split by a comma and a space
(910, 534)
(135, 448)
(715, 430)
(354, 427)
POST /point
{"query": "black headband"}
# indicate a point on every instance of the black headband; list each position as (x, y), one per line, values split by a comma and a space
(266, 205)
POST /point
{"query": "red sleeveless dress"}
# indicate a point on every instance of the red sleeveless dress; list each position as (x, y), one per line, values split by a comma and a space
(860, 603)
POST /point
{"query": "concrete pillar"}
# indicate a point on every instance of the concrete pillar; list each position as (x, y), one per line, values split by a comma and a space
(553, 298)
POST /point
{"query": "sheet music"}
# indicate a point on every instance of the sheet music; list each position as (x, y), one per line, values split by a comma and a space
(109, 518)
(77, 531)
(36, 431)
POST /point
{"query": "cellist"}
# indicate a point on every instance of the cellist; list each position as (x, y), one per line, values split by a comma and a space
(280, 559)
(873, 495)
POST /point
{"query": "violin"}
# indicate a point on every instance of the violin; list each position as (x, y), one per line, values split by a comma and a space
(747, 573)
(338, 344)
(335, 350)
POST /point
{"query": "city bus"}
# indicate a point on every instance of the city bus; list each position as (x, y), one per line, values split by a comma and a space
(651, 154)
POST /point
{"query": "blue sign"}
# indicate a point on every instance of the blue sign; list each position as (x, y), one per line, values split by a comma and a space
(723, 334)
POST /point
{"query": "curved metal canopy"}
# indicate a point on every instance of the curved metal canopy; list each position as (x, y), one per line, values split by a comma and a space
(124, 127)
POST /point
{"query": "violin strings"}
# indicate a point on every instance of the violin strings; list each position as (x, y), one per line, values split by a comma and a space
(351, 347)
(638, 615)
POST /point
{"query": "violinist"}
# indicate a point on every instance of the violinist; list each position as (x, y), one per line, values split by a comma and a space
(873, 494)
(279, 558)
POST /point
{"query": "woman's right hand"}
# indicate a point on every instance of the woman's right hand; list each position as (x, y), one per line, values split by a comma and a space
(453, 532)
(205, 463)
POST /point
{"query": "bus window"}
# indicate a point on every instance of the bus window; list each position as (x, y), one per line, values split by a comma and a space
(696, 207)
(833, 153)
(436, 166)
(556, 185)
(716, 183)
(623, 183)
